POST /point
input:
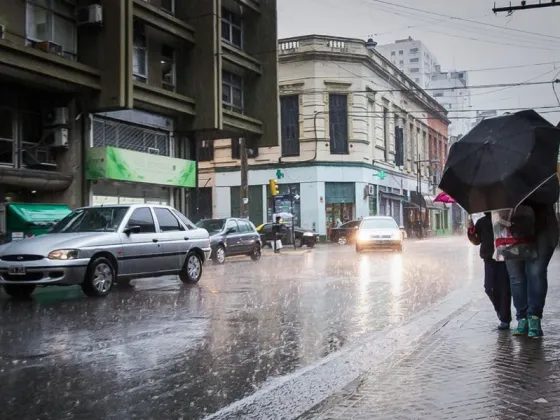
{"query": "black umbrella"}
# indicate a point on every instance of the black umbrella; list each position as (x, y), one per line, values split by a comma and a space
(502, 161)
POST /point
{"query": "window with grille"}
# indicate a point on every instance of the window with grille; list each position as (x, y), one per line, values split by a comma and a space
(338, 123)
(131, 137)
(232, 28)
(52, 20)
(140, 53)
(289, 125)
(35, 140)
(232, 92)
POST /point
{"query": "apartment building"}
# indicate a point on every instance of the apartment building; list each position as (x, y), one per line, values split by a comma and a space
(355, 140)
(112, 101)
(413, 58)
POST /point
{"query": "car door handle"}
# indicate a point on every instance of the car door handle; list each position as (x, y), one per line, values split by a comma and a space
(186, 238)
(155, 240)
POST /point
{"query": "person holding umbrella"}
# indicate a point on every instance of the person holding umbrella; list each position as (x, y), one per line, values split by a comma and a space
(529, 278)
(496, 278)
(504, 162)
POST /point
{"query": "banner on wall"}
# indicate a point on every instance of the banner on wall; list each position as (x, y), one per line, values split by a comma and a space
(116, 164)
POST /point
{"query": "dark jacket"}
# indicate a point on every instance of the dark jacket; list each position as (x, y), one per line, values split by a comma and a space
(483, 235)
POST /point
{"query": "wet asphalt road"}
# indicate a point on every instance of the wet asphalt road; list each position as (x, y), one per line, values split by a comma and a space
(162, 350)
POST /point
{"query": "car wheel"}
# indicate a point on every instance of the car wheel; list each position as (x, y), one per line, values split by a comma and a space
(342, 240)
(256, 252)
(192, 269)
(299, 242)
(220, 255)
(19, 291)
(100, 277)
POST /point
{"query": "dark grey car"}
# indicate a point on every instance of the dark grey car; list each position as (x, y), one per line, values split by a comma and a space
(232, 236)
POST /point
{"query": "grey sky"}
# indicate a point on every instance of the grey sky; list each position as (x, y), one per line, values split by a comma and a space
(445, 39)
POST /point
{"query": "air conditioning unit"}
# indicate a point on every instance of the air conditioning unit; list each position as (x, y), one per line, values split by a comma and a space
(371, 190)
(56, 117)
(2, 31)
(60, 138)
(50, 47)
(90, 15)
(253, 153)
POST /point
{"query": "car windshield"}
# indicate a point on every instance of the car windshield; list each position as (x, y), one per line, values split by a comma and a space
(379, 224)
(212, 225)
(92, 219)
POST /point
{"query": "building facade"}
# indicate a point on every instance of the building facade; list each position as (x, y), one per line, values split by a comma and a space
(413, 58)
(111, 101)
(355, 140)
(451, 89)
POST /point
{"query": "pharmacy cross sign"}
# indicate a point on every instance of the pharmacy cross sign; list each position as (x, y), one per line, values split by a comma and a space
(381, 174)
(279, 174)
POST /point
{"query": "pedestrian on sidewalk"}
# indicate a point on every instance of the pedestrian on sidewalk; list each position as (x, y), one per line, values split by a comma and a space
(529, 278)
(496, 278)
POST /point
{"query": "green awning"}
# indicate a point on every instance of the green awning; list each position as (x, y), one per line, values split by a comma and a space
(20, 215)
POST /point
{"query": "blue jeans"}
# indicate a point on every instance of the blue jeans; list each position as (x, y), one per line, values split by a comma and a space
(528, 278)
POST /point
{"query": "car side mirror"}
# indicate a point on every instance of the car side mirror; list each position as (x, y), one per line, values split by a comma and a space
(230, 230)
(131, 229)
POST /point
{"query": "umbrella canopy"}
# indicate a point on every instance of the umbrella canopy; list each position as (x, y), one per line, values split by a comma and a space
(444, 198)
(501, 161)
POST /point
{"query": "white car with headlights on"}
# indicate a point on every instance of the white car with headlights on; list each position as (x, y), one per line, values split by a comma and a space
(98, 246)
(379, 232)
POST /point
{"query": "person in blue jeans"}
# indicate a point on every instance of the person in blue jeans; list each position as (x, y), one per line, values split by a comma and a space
(528, 278)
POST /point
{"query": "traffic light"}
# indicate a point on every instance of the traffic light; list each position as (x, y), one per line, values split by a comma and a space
(273, 187)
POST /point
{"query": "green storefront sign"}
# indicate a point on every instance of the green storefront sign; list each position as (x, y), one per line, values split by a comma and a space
(28, 219)
(126, 165)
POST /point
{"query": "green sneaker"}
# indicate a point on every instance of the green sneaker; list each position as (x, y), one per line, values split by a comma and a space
(522, 327)
(535, 330)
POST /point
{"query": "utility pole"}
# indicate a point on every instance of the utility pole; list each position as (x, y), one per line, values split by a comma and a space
(524, 6)
(244, 178)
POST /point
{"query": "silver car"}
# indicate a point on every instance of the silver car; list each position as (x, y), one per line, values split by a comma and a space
(98, 246)
(379, 232)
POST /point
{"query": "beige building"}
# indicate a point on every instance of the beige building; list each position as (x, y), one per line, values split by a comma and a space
(139, 82)
(354, 132)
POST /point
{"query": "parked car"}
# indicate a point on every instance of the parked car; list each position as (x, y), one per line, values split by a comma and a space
(346, 233)
(302, 236)
(379, 232)
(98, 246)
(230, 237)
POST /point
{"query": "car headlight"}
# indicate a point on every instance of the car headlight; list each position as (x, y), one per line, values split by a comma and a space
(308, 234)
(63, 254)
(363, 236)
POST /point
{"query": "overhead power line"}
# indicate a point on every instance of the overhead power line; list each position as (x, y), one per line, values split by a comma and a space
(524, 6)
(469, 20)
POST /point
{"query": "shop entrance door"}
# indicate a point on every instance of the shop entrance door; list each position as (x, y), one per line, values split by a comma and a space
(339, 211)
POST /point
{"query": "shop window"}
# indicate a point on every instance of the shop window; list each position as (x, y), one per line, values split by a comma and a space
(289, 125)
(6, 137)
(232, 92)
(168, 68)
(232, 28)
(167, 222)
(142, 217)
(54, 21)
(140, 53)
(338, 124)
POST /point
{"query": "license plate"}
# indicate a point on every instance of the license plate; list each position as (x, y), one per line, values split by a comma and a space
(17, 270)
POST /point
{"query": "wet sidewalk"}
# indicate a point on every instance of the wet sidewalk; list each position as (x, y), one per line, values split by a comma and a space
(464, 370)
